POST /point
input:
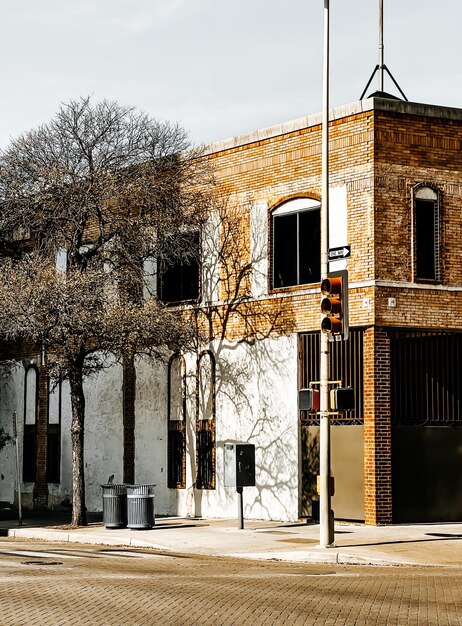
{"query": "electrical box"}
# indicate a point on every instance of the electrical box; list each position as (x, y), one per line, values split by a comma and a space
(239, 465)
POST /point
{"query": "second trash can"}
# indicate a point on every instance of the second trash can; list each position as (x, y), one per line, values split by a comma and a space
(114, 506)
(140, 506)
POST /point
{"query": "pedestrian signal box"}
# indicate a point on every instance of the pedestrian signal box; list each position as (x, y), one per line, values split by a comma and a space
(239, 465)
(308, 399)
(342, 399)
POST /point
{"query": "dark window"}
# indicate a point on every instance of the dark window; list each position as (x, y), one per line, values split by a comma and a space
(205, 478)
(425, 239)
(179, 277)
(54, 432)
(53, 454)
(176, 465)
(296, 243)
(30, 424)
(29, 453)
(205, 420)
(426, 375)
(176, 408)
(426, 234)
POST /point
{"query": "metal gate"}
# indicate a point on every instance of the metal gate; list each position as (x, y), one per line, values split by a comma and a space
(347, 447)
(426, 419)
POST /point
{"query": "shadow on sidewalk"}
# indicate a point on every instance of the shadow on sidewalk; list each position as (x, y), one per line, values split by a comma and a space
(439, 537)
(9, 518)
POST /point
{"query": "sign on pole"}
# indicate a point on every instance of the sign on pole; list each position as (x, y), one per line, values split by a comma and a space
(342, 252)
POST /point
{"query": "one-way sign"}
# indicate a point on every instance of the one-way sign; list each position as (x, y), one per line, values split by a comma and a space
(343, 252)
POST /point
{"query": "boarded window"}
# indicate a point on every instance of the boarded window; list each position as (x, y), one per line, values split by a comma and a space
(178, 278)
(296, 243)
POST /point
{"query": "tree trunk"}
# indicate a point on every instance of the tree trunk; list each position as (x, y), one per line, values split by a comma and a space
(79, 513)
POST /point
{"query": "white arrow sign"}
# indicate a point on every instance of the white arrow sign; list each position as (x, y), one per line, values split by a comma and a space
(342, 252)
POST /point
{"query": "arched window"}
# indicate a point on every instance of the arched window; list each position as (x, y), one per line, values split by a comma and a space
(205, 420)
(426, 231)
(30, 424)
(296, 243)
(176, 409)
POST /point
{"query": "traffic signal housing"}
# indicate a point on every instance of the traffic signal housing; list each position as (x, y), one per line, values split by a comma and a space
(308, 399)
(334, 305)
(342, 399)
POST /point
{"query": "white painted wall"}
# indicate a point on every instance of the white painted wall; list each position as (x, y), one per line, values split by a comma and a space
(103, 437)
(103, 433)
(259, 248)
(12, 399)
(338, 224)
(210, 259)
(256, 403)
(151, 431)
(103, 443)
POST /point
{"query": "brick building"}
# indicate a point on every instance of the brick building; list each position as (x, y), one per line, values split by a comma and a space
(396, 194)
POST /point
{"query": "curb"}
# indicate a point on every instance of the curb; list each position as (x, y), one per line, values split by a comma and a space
(330, 557)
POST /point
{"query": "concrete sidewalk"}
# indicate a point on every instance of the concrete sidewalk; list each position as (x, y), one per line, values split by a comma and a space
(422, 544)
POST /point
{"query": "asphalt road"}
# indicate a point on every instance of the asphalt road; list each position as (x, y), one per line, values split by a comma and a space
(61, 584)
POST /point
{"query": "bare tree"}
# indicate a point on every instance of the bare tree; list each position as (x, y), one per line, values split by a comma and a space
(85, 202)
(230, 267)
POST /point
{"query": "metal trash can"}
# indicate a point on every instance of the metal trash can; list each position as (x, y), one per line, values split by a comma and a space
(114, 506)
(140, 506)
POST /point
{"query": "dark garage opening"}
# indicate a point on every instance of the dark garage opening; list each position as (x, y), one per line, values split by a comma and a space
(426, 382)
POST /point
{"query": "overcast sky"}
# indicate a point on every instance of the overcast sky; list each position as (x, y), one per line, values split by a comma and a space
(219, 68)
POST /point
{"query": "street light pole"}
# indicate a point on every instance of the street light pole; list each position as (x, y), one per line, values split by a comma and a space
(326, 533)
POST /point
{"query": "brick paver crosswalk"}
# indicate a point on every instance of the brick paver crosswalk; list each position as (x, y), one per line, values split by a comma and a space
(73, 586)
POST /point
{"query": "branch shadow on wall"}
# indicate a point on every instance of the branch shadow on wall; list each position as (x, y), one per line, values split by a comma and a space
(234, 325)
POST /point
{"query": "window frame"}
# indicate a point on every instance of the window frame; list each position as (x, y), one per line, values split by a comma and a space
(293, 206)
(29, 460)
(53, 466)
(176, 428)
(434, 195)
(206, 429)
(162, 268)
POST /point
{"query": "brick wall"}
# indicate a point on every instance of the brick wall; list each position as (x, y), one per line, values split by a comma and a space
(379, 155)
(287, 166)
(377, 427)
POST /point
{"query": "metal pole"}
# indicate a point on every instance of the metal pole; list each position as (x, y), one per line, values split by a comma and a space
(326, 537)
(240, 507)
(18, 477)
(381, 46)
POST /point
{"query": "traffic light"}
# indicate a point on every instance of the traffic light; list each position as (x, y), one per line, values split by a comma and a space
(334, 305)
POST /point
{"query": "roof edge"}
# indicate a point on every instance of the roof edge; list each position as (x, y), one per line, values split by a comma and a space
(336, 113)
